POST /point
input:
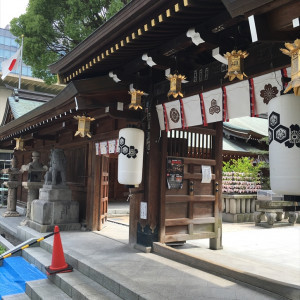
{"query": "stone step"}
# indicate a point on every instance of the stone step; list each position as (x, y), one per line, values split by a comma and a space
(122, 286)
(22, 296)
(44, 289)
(74, 284)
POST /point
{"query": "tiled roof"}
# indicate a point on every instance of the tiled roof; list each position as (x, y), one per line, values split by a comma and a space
(22, 107)
(246, 124)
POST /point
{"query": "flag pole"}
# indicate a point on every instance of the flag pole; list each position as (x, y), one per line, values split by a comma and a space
(21, 61)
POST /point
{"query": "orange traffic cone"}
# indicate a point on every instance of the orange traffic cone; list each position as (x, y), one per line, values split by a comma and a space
(58, 264)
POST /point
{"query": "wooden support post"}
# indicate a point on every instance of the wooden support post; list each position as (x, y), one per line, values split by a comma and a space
(216, 243)
(152, 171)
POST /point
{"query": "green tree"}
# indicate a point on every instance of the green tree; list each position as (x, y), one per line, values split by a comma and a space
(52, 28)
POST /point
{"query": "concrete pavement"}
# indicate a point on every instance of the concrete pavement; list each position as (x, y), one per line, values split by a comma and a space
(104, 259)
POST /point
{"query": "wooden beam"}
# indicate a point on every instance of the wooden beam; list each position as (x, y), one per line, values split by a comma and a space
(271, 27)
(196, 176)
(129, 115)
(188, 198)
(184, 237)
(240, 7)
(198, 161)
(187, 221)
(263, 58)
(48, 137)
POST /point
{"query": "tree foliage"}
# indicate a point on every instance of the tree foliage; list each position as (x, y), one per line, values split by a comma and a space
(52, 28)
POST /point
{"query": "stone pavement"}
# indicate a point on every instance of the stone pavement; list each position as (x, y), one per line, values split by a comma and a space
(128, 273)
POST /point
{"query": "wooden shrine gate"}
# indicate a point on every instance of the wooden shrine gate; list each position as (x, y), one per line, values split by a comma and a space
(193, 211)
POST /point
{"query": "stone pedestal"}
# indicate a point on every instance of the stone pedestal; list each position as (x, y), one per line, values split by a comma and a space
(54, 207)
(32, 194)
(273, 210)
(12, 199)
(238, 208)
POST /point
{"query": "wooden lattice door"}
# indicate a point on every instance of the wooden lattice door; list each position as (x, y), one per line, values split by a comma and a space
(193, 211)
(103, 192)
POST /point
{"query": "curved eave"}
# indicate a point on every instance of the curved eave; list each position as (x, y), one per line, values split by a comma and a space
(106, 33)
(26, 82)
(99, 91)
(140, 27)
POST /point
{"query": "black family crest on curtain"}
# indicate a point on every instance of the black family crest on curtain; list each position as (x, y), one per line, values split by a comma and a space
(129, 151)
(282, 134)
(214, 108)
(174, 115)
(268, 93)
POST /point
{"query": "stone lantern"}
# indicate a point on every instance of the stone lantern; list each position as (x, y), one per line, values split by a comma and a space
(12, 185)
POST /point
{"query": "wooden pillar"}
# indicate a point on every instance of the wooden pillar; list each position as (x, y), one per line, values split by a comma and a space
(162, 230)
(91, 172)
(148, 229)
(216, 243)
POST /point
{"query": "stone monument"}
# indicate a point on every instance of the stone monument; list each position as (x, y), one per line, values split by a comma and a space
(55, 205)
(12, 185)
(35, 171)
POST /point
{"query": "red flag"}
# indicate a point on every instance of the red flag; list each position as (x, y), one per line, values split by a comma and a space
(10, 64)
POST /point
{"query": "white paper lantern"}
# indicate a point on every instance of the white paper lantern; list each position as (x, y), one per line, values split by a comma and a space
(284, 148)
(130, 161)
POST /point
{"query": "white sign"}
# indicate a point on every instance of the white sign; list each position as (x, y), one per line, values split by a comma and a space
(143, 210)
(206, 174)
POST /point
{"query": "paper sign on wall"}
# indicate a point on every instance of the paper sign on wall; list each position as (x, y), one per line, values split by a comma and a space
(143, 210)
(206, 174)
(97, 148)
(103, 148)
(113, 146)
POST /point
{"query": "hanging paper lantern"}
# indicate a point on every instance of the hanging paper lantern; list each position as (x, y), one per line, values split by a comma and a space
(175, 85)
(19, 144)
(136, 99)
(236, 64)
(84, 124)
(284, 144)
(130, 159)
(293, 50)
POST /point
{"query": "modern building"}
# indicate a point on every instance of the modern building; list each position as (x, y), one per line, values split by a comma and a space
(9, 46)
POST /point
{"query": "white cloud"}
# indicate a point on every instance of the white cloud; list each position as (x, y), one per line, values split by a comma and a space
(10, 9)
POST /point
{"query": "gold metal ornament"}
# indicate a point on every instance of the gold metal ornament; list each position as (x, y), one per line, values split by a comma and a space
(175, 85)
(136, 99)
(236, 64)
(84, 124)
(19, 144)
(293, 50)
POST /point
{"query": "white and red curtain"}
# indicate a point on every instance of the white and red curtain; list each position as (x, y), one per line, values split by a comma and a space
(245, 98)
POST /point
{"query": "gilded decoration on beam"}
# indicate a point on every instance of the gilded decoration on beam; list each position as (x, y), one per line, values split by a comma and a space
(136, 99)
(19, 144)
(236, 64)
(84, 124)
(175, 85)
(293, 50)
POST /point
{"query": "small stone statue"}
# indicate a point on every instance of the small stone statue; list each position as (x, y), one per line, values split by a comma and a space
(57, 170)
